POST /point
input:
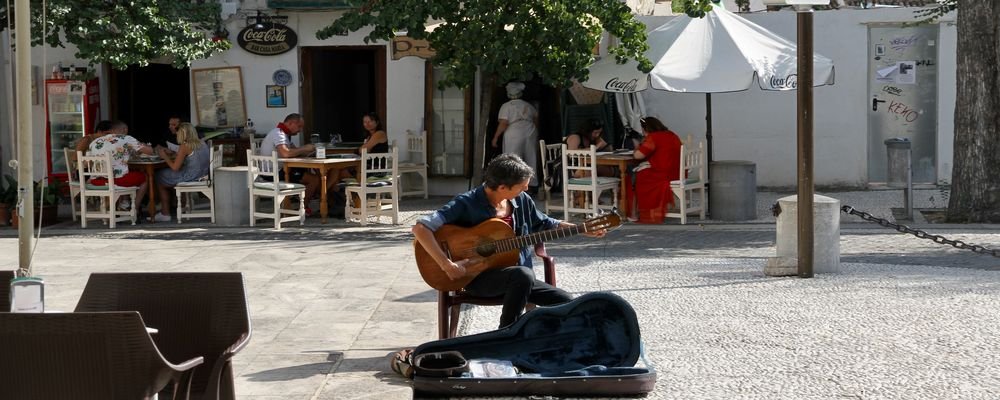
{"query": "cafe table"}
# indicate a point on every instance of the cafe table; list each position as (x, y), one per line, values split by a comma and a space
(623, 161)
(333, 162)
(149, 165)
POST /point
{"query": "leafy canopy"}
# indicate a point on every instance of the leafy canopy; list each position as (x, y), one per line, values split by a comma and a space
(126, 32)
(552, 39)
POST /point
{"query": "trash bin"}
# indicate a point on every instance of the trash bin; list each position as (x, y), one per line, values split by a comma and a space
(898, 150)
(732, 194)
(232, 197)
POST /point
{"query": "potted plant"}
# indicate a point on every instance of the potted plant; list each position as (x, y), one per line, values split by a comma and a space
(8, 195)
(46, 203)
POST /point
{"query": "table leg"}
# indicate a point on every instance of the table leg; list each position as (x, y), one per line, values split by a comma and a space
(322, 194)
(151, 192)
(284, 203)
(623, 195)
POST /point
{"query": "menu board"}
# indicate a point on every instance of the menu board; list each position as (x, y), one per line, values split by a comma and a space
(218, 96)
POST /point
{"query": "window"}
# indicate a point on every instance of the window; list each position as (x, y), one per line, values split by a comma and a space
(449, 113)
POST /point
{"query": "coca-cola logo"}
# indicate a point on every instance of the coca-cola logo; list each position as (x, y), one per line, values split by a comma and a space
(618, 85)
(268, 40)
(788, 82)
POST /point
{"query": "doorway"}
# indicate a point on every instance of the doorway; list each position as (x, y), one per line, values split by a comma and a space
(339, 85)
(145, 97)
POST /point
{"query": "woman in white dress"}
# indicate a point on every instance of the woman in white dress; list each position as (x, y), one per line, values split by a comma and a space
(518, 122)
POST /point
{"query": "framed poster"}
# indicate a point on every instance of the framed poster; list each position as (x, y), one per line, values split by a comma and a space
(218, 96)
(275, 96)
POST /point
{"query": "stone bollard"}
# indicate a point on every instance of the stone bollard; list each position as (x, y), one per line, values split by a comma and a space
(826, 237)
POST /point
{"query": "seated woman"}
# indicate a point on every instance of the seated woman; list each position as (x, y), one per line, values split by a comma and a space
(589, 133)
(661, 149)
(190, 163)
(376, 140)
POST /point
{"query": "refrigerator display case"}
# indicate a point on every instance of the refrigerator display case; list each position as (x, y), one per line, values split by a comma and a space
(72, 108)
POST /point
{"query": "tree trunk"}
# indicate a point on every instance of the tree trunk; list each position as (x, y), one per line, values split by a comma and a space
(975, 186)
(489, 83)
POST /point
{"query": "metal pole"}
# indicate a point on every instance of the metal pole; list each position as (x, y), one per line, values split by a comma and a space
(25, 167)
(805, 140)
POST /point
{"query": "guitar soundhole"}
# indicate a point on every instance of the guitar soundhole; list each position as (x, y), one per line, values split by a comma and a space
(486, 249)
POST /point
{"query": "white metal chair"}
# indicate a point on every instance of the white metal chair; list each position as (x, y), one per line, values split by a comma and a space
(205, 186)
(693, 179)
(99, 166)
(378, 174)
(551, 155)
(267, 166)
(73, 181)
(580, 175)
(416, 148)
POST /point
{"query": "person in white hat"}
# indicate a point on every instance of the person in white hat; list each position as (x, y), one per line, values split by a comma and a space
(518, 122)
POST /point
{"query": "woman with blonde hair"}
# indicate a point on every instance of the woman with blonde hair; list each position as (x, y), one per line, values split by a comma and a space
(190, 163)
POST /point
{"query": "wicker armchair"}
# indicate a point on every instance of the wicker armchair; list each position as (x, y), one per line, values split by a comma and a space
(450, 302)
(84, 356)
(197, 314)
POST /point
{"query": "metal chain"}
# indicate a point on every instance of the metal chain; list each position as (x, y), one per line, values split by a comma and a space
(919, 233)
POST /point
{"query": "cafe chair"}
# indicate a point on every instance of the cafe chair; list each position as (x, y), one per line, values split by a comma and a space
(693, 180)
(204, 186)
(267, 166)
(551, 166)
(450, 302)
(416, 148)
(376, 195)
(86, 356)
(73, 181)
(580, 178)
(202, 314)
(5, 278)
(91, 167)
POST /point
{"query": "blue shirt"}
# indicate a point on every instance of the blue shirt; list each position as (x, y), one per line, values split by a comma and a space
(473, 207)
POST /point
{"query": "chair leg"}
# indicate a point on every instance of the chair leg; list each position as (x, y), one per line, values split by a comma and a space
(211, 205)
(133, 210)
(180, 210)
(253, 200)
(443, 323)
(364, 208)
(683, 207)
(426, 188)
(456, 309)
(83, 212)
(302, 208)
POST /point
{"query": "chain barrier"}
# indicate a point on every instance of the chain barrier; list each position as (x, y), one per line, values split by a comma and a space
(919, 233)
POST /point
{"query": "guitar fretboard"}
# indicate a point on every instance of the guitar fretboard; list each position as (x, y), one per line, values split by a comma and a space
(509, 244)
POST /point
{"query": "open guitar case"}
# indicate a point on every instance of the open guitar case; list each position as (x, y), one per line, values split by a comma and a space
(586, 347)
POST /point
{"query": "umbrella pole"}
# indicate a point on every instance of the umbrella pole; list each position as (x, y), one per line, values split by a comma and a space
(708, 126)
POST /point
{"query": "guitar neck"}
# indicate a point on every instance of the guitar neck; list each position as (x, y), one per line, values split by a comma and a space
(537, 237)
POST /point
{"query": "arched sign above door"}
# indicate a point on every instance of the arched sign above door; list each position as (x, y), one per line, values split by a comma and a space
(269, 39)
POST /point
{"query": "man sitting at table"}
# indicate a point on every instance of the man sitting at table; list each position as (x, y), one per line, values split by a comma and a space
(278, 140)
(122, 147)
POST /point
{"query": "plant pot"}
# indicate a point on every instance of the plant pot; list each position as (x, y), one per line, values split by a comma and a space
(49, 214)
(4, 215)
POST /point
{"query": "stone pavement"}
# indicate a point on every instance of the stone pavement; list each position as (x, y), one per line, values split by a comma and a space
(906, 318)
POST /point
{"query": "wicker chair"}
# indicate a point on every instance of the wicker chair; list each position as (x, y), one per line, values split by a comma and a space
(5, 278)
(83, 356)
(450, 302)
(197, 314)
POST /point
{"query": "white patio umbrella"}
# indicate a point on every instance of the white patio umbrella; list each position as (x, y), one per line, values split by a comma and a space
(721, 52)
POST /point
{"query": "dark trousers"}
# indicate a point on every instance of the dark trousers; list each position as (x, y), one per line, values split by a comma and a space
(518, 286)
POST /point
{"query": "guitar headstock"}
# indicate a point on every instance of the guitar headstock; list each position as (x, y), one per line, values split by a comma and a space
(603, 221)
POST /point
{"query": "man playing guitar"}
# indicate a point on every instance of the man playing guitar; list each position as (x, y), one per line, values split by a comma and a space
(503, 196)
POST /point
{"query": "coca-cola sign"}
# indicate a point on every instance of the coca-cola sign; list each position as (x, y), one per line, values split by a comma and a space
(268, 39)
(783, 83)
(618, 85)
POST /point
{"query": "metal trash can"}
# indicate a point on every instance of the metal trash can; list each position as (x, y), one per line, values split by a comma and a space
(232, 197)
(732, 194)
(898, 150)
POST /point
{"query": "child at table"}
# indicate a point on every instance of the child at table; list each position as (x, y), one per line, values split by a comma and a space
(190, 163)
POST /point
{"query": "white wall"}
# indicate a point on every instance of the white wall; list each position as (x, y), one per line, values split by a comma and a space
(404, 86)
(760, 126)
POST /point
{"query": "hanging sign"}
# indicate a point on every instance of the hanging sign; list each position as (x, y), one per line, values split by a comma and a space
(403, 46)
(269, 39)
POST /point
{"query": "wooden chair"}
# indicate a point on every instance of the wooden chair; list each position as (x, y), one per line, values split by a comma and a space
(99, 166)
(580, 176)
(378, 172)
(196, 313)
(85, 356)
(551, 154)
(693, 179)
(204, 186)
(450, 302)
(267, 165)
(73, 181)
(416, 147)
(5, 278)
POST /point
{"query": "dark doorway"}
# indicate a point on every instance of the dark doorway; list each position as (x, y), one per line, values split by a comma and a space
(340, 84)
(145, 97)
(545, 99)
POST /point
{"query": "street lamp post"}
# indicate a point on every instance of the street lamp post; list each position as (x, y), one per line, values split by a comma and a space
(804, 127)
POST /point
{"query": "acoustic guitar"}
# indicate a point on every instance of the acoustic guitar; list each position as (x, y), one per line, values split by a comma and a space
(493, 243)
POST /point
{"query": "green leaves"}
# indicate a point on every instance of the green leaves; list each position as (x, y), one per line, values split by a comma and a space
(127, 32)
(553, 39)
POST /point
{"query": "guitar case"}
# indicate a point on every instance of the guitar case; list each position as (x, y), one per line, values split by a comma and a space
(586, 347)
